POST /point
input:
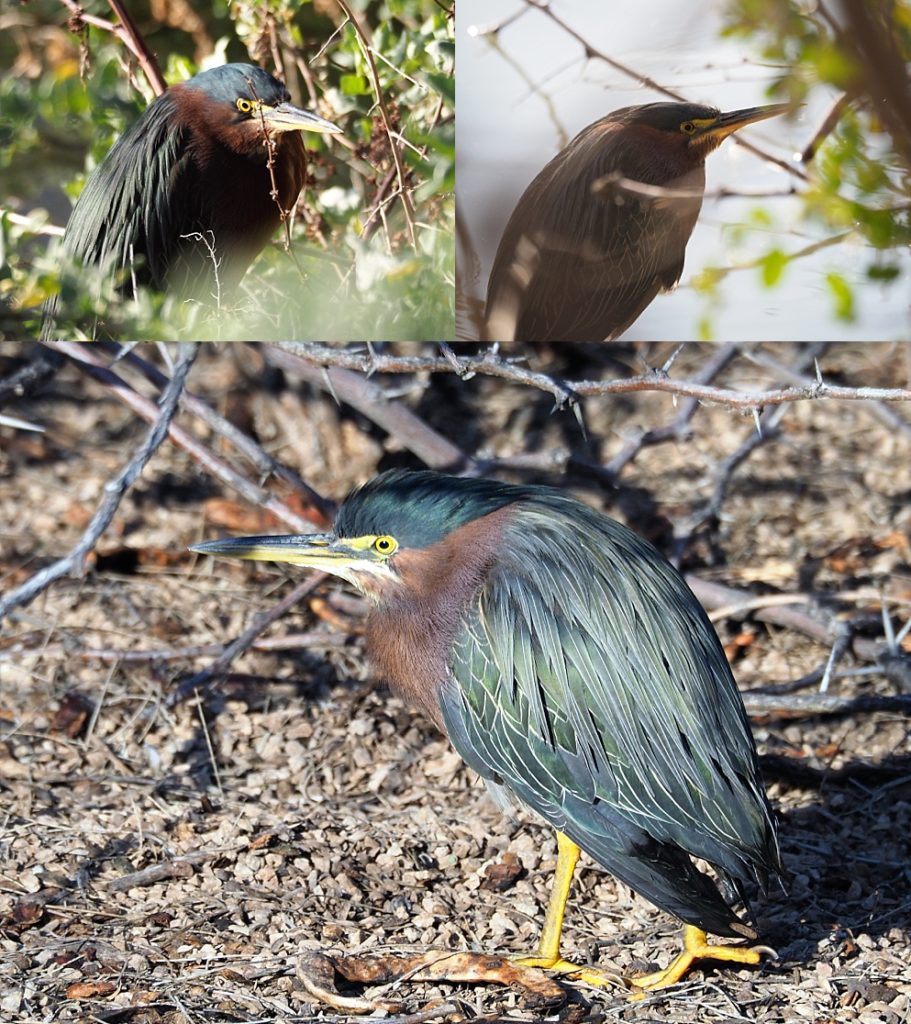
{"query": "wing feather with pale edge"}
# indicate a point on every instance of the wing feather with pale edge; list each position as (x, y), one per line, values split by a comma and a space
(587, 680)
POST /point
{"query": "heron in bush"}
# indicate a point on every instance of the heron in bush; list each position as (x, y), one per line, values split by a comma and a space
(190, 193)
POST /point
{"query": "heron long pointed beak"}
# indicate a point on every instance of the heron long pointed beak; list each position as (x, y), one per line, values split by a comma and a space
(732, 121)
(323, 551)
(287, 118)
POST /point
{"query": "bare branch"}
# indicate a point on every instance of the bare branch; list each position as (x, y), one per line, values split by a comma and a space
(114, 492)
(202, 680)
(90, 362)
(809, 617)
(590, 51)
(492, 365)
(618, 184)
(368, 398)
(127, 33)
(265, 464)
(826, 127)
(679, 427)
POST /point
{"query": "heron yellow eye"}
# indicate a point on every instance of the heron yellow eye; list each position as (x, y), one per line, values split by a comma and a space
(385, 545)
(688, 127)
(244, 106)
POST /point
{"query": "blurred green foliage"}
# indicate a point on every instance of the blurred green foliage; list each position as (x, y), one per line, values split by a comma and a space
(859, 180)
(353, 271)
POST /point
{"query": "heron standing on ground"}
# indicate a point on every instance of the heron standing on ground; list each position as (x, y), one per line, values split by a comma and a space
(574, 670)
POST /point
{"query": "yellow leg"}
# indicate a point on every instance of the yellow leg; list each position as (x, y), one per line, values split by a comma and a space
(696, 947)
(548, 955)
(695, 942)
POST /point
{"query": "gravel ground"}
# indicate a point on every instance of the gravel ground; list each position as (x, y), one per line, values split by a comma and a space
(181, 864)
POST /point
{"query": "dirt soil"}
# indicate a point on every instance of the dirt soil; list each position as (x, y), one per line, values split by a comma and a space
(183, 864)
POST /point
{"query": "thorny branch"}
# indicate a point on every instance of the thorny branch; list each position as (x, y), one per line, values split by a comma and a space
(405, 195)
(490, 364)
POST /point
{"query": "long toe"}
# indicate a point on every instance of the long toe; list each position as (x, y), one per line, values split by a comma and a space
(696, 948)
(573, 972)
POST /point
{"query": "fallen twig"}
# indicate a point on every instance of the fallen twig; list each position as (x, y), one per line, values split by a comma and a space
(822, 704)
(316, 972)
(114, 491)
(177, 867)
(797, 771)
(201, 680)
(289, 642)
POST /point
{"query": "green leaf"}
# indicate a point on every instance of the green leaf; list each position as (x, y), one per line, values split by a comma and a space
(885, 273)
(354, 85)
(772, 267)
(844, 297)
(444, 85)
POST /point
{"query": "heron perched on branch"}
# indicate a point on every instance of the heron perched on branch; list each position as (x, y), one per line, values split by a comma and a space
(585, 251)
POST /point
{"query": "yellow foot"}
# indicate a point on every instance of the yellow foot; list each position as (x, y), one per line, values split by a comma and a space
(696, 947)
(575, 972)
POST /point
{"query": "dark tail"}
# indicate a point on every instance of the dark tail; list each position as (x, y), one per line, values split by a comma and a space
(666, 876)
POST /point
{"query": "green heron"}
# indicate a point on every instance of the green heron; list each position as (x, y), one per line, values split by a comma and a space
(573, 669)
(583, 254)
(189, 186)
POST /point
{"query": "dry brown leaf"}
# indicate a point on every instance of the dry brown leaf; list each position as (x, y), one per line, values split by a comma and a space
(317, 971)
(90, 989)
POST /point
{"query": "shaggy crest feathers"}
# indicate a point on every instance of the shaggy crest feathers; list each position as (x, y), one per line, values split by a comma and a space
(228, 82)
(419, 509)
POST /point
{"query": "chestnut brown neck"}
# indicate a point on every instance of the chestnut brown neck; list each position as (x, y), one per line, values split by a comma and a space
(227, 165)
(411, 631)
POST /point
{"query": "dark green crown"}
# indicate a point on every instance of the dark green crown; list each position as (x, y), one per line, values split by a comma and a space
(228, 82)
(664, 116)
(419, 509)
